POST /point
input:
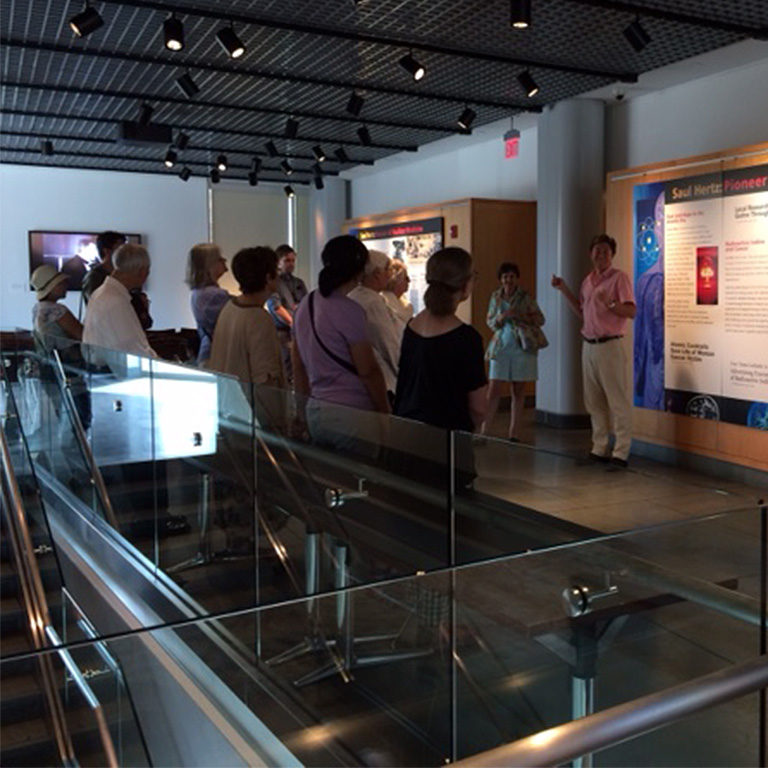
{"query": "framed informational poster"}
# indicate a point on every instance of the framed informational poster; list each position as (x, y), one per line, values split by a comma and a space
(701, 284)
(411, 242)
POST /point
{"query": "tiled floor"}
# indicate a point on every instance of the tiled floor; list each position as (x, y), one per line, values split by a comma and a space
(556, 480)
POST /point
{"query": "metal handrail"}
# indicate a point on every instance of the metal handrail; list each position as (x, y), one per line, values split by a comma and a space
(90, 697)
(96, 476)
(563, 743)
(38, 616)
(33, 597)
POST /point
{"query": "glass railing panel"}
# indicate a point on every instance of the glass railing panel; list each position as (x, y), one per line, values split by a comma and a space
(207, 536)
(121, 438)
(29, 729)
(104, 675)
(553, 635)
(376, 484)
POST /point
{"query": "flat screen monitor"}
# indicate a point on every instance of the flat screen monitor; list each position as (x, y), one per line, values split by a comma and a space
(72, 253)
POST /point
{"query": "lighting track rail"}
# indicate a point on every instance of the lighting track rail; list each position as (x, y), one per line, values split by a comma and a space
(160, 98)
(361, 37)
(346, 85)
(187, 128)
(155, 171)
(189, 147)
(154, 161)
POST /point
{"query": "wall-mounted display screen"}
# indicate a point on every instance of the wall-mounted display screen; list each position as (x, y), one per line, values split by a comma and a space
(72, 253)
(411, 242)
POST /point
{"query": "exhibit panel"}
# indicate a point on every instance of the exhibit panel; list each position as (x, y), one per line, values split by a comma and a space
(493, 231)
(693, 234)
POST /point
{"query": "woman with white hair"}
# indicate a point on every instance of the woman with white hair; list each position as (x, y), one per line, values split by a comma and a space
(382, 328)
(205, 267)
(394, 294)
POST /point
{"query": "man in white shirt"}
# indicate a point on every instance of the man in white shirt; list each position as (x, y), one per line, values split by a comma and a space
(110, 320)
(382, 328)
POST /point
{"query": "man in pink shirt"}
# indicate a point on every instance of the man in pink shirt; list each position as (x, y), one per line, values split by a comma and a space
(604, 304)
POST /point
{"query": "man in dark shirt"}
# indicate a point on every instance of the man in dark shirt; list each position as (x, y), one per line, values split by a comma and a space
(282, 304)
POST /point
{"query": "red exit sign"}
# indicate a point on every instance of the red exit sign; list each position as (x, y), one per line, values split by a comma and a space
(511, 143)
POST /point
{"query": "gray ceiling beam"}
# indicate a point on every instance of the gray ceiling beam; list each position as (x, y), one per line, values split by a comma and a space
(233, 69)
(225, 15)
(759, 33)
(236, 107)
(186, 128)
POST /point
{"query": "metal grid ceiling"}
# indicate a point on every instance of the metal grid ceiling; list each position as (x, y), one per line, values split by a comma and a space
(304, 58)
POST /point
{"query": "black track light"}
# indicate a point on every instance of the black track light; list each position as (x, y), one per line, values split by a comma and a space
(317, 151)
(253, 178)
(520, 13)
(341, 155)
(412, 67)
(46, 147)
(364, 135)
(182, 140)
(221, 163)
(230, 42)
(286, 166)
(271, 149)
(173, 31)
(355, 103)
(187, 85)
(170, 158)
(145, 113)
(466, 118)
(255, 165)
(288, 189)
(317, 170)
(185, 173)
(85, 22)
(319, 184)
(291, 128)
(637, 37)
(215, 176)
(527, 83)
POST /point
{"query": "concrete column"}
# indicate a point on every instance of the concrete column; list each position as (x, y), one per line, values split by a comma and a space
(570, 210)
(328, 207)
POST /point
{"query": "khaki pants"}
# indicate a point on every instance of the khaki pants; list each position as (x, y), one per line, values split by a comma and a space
(606, 396)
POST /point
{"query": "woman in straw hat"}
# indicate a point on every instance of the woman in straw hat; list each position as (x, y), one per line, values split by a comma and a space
(53, 321)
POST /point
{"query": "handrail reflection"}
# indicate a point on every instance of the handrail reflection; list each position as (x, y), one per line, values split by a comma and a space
(96, 476)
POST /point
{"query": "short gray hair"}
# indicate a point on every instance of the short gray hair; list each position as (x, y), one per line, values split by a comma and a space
(130, 257)
(376, 260)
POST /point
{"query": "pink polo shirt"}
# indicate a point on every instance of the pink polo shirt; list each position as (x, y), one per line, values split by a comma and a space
(597, 288)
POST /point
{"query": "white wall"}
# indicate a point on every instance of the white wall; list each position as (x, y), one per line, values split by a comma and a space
(449, 169)
(720, 111)
(171, 215)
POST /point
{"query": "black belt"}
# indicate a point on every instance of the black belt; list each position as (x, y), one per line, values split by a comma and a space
(601, 339)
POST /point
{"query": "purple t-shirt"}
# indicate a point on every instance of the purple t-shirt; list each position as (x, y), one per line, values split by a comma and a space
(339, 322)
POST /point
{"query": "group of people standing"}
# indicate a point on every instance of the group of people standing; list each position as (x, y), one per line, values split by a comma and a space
(354, 343)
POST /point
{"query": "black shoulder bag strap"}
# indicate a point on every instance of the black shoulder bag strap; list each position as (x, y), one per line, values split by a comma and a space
(343, 363)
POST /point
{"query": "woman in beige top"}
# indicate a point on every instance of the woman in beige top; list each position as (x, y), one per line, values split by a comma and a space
(245, 342)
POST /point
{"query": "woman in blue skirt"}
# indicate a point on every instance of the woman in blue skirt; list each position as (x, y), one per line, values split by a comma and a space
(516, 320)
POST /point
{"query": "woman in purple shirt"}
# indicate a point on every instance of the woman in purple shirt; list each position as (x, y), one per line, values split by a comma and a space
(333, 360)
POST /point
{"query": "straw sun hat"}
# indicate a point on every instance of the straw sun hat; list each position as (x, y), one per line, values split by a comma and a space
(44, 279)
